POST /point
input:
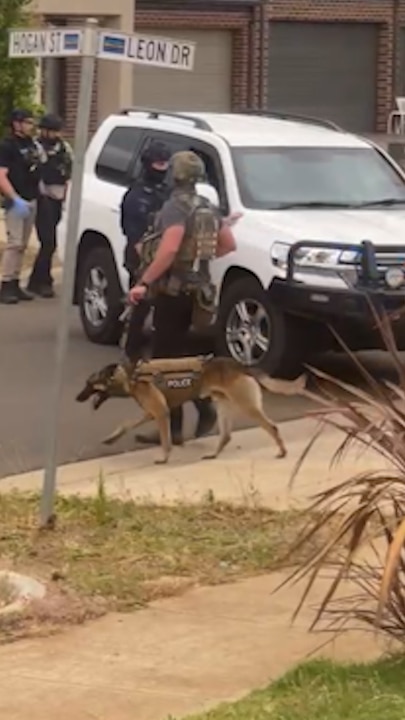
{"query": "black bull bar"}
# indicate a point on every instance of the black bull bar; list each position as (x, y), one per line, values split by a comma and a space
(369, 263)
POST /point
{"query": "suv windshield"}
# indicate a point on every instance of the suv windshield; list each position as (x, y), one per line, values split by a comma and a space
(276, 177)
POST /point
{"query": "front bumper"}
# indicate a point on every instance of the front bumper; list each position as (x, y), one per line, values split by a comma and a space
(323, 303)
(349, 311)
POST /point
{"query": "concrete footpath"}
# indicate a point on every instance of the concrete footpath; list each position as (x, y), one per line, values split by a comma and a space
(184, 654)
(247, 471)
(180, 656)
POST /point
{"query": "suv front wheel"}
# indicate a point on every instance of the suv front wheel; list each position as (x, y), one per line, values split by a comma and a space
(99, 297)
(256, 333)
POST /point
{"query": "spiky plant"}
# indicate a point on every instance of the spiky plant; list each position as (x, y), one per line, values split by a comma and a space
(367, 510)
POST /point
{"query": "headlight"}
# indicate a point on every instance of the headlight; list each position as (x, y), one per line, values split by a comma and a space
(313, 257)
(279, 254)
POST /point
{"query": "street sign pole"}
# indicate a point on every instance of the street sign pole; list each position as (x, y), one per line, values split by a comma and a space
(89, 43)
(89, 50)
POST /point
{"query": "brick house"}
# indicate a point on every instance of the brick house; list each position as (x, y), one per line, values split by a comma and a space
(342, 59)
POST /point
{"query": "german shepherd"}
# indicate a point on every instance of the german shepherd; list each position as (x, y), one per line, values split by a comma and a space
(160, 385)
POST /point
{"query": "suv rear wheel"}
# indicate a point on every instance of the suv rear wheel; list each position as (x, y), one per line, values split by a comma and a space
(99, 297)
(256, 333)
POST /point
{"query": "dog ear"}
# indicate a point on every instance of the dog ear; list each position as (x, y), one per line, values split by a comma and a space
(108, 371)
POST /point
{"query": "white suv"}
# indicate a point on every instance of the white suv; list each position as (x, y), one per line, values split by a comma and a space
(323, 227)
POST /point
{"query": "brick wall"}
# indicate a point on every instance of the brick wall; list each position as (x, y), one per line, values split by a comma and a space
(400, 49)
(250, 28)
(71, 71)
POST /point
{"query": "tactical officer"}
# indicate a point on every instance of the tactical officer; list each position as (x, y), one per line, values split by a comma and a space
(138, 208)
(142, 200)
(55, 174)
(189, 234)
(20, 160)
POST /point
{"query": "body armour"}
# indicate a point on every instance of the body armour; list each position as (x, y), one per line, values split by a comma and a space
(201, 234)
(190, 268)
(190, 272)
(57, 169)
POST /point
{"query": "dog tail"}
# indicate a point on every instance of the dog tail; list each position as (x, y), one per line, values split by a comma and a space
(281, 387)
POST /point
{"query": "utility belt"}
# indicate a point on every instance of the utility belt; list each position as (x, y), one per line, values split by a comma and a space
(202, 290)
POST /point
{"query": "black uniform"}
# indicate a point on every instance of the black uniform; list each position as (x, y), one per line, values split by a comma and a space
(55, 173)
(22, 157)
(139, 205)
(138, 208)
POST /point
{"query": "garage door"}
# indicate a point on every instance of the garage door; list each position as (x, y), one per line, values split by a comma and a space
(207, 87)
(325, 69)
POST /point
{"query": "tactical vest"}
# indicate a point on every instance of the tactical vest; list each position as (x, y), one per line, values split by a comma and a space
(58, 166)
(200, 241)
(190, 269)
(179, 379)
(33, 155)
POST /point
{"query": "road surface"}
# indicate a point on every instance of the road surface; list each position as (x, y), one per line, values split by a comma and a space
(26, 362)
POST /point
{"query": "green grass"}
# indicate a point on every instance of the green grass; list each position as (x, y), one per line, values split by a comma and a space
(129, 554)
(322, 690)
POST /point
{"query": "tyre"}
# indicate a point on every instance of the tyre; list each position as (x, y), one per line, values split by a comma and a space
(100, 297)
(256, 333)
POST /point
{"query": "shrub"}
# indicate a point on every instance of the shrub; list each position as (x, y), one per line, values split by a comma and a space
(367, 510)
(17, 77)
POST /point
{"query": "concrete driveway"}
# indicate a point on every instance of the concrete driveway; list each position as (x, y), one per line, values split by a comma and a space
(26, 362)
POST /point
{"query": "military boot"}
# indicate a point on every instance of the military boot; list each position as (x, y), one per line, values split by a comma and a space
(8, 293)
(207, 416)
(176, 428)
(24, 295)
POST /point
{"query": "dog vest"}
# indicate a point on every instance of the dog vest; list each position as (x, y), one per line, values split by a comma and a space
(179, 379)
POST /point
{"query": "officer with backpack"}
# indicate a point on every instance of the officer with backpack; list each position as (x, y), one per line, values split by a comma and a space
(139, 206)
(142, 200)
(55, 173)
(21, 157)
(175, 267)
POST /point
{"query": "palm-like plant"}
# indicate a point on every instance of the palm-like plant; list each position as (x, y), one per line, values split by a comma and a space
(365, 509)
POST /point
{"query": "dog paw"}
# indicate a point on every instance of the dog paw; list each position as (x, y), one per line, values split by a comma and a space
(109, 440)
(209, 457)
(282, 454)
(161, 461)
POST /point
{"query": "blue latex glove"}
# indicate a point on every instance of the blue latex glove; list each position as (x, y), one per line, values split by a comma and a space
(20, 208)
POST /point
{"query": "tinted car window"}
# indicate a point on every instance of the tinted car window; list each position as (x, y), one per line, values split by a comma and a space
(173, 141)
(269, 178)
(117, 154)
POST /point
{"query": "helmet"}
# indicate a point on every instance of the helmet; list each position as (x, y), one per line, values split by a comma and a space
(51, 122)
(187, 167)
(19, 115)
(156, 152)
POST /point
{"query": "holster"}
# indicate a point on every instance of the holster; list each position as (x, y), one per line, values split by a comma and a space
(204, 306)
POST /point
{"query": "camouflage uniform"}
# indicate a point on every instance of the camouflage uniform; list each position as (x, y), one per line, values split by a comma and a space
(175, 294)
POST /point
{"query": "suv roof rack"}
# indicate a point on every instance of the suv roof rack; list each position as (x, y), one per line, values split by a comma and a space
(294, 116)
(154, 114)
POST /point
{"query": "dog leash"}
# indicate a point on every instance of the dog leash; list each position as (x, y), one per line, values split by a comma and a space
(125, 319)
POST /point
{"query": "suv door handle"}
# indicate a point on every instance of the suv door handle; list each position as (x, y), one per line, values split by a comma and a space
(114, 210)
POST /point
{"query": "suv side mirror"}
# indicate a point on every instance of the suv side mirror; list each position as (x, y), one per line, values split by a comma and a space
(208, 192)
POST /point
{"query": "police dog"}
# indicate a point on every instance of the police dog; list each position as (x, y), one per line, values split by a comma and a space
(160, 385)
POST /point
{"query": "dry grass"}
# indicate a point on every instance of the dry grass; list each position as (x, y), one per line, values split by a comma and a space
(105, 554)
(366, 544)
(7, 592)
